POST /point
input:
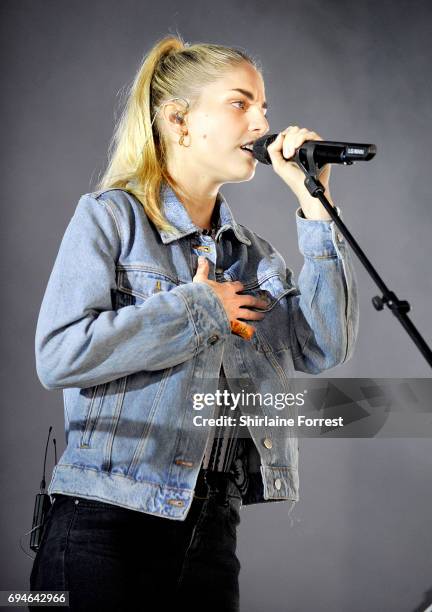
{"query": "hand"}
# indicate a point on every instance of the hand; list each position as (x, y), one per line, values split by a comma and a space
(233, 303)
(280, 151)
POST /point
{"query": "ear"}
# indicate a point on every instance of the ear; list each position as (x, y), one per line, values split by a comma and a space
(174, 117)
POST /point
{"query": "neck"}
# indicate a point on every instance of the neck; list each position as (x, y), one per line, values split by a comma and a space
(198, 195)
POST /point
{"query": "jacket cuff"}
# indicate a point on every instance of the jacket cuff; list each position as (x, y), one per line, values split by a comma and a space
(318, 238)
(206, 312)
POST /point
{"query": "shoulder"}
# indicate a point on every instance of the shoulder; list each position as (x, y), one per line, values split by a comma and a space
(115, 198)
(116, 213)
(123, 206)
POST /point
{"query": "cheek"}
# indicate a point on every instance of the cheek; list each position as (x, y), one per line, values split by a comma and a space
(210, 141)
(215, 135)
(204, 143)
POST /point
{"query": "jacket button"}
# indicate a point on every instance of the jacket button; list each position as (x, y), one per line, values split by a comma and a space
(278, 483)
(176, 502)
(268, 443)
(339, 237)
(183, 462)
(213, 339)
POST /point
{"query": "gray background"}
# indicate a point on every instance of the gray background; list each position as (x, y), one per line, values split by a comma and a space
(360, 537)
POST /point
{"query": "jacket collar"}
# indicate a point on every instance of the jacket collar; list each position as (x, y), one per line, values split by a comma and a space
(177, 216)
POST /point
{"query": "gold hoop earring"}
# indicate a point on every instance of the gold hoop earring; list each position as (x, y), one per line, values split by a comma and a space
(181, 140)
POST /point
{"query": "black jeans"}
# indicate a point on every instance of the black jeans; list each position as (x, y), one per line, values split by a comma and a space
(112, 558)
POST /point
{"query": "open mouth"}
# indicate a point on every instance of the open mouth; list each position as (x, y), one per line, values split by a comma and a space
(248, 149)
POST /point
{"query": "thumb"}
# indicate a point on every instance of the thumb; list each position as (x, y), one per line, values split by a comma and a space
(275, 150)
(202, 270)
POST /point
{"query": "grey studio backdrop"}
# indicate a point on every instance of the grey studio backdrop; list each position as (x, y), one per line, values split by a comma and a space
(360, 538)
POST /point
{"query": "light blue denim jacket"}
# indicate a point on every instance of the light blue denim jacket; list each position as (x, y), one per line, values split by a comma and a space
(130, 339)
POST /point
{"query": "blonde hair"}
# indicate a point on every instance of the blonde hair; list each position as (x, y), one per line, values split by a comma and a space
(137, 155)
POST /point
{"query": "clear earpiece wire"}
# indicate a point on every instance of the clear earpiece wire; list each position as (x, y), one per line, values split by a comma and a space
(160, 108)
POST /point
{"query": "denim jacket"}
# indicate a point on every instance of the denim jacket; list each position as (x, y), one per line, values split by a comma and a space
(130, 339)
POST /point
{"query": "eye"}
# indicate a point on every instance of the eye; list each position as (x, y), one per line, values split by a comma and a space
(243, 103)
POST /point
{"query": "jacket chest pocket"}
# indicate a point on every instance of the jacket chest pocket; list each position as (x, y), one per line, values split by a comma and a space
(272, 332)
(135, 285)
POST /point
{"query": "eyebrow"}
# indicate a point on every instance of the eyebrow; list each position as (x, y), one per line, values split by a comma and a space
(248, 94)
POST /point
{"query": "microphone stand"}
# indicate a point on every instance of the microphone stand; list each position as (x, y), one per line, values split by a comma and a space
(399, 308)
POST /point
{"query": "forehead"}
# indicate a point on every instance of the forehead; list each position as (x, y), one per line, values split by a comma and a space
(243, 76)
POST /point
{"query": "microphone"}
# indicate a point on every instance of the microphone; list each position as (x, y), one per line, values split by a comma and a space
(318, 153)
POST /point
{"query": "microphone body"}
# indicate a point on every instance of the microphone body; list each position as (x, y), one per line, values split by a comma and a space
(318, 152)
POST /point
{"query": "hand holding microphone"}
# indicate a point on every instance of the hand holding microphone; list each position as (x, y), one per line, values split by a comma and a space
(280, 151)
(307, 148)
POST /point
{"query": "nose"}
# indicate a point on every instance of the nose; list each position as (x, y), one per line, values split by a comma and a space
(260, 123)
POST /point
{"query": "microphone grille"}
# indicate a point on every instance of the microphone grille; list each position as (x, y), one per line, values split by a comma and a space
(260, 148)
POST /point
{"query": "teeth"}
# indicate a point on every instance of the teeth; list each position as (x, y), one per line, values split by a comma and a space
(248, 147)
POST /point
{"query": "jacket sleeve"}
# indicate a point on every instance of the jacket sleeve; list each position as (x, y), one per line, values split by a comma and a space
(81, 341)
(324, 317)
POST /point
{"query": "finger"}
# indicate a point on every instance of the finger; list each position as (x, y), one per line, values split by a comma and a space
(289, 148)
(237, 285)
(291, 136)
(275, 149)
(260, 303)
(291, 129)
(277, 142)
(250, 300)
(253, 315)
(203, 268)
(315, 136)
(295, 140)
(308, 134)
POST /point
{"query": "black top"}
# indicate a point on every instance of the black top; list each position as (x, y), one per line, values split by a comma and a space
(225, 451)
